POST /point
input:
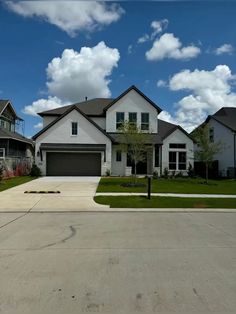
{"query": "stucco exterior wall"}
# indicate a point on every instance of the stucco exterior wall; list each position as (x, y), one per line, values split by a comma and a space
(48, 119)
(100, 121)
(131, 102)
(177, 137)
(225, 135)
(61, 133)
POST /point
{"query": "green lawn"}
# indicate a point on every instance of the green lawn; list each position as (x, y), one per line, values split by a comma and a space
(164, 202)
(180, 185)
(10, 183)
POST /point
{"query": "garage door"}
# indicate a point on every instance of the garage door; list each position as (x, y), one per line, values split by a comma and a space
(73, 164)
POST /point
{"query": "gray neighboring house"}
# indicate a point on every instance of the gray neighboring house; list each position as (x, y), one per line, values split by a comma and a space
(83, 138)
(16, 151)
(222, 127)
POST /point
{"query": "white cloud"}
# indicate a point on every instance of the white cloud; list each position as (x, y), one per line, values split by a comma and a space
(38, 125)
(43, 105)
(224, 49)
(157, 27)
(162, 83)
(70, 16)
(76, 75)
(168, 46)
(208, 92)
(130, 48)
(143, 39)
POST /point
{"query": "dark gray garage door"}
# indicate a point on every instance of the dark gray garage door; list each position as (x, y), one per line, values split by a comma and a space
(73, 164)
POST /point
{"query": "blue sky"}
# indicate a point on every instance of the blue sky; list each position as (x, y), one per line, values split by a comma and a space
(185, 60)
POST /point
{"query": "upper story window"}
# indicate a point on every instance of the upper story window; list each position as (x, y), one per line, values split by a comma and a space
(145, 121)
(211, 135)
(133, 118)
(74, 128)
(177, 145)
(120, 118)
(2, 153)
(2, 123)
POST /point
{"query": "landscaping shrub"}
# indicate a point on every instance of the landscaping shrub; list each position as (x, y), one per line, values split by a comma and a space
(166, 173)
(35, 171)
(1, 172)
(155, 175)
(190, 171)
(108, 173)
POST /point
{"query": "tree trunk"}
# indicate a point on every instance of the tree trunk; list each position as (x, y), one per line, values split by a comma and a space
(135, 171)
(206, 172)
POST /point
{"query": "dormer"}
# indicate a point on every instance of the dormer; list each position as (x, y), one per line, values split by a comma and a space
(135, 107)
(8, 116)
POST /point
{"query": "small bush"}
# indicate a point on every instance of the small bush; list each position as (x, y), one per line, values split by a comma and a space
(173, 174)
(35, 171)
(155, 175)
(190, 171)
(166, 173)
(108, 173)
(179, 175)
(1, 172)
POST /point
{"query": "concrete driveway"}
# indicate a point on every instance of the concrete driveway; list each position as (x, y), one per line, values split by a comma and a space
(76, 193)
(126, 263)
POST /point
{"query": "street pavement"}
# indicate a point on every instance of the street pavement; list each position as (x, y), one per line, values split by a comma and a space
(117, 263)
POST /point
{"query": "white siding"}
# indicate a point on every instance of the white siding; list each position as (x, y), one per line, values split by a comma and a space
(61, 133)
(226, 156)
(131, 102)
(177, 137)
(118, 168)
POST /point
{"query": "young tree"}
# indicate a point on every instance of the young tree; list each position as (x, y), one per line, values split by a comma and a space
(132, 141)
(206, 149)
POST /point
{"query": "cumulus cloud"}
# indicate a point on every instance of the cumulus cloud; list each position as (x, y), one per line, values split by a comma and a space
(162, 83)
(157, 27)
(38, 125)
(70, 16)
(76, 75)
(43, 105)
(208, 92)
(169, 46)
(224, 49)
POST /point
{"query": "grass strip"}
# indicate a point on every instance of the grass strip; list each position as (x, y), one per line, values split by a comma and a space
(164, 202)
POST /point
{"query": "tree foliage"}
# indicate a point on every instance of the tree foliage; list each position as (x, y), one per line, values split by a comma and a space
(132, 141)
(206, 149)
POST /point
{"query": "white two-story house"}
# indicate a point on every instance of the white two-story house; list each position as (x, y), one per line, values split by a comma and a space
(83, 139)
(222, 127)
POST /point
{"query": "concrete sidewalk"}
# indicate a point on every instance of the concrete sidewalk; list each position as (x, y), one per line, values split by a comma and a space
(168, 195)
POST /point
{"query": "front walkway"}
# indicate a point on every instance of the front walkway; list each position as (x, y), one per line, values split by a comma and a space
(76, 193)
(167, 195)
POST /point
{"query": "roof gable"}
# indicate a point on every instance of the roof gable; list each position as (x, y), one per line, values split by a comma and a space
(166, 128)
(139, 92)
(71, 108)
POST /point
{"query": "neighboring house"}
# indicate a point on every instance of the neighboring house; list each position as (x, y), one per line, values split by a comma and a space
(222, 127)
(16, 151)
(83, 139)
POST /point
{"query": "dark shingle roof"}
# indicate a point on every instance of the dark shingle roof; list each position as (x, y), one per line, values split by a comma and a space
(166, 128)
(5, 134)
(92, 107)
(3, 103)
(153, 138)
(226, 116)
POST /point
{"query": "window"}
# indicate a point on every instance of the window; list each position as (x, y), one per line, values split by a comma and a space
(118, 155)
(177, 158)
(177, 145)
(120, 118)
(182, 161)
(2, 153)
(2, 123)
(211, 135)
(172, 160)
(133, 118)
(157, 157)
(74, 128)
(144, 121)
